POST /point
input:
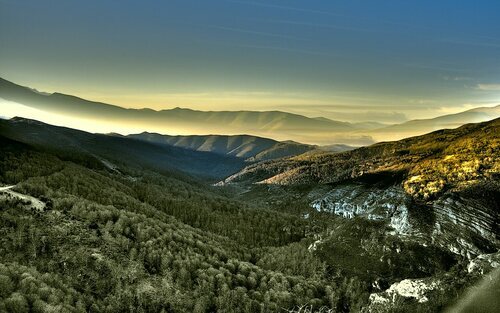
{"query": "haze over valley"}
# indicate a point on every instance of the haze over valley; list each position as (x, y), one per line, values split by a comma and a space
(68, 110)
(249, 156)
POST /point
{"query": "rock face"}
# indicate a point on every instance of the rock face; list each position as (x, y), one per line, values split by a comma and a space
(420, 290)
(484, 263)
(465, 227)
(370, 202)
(479, 222)
(408, 288)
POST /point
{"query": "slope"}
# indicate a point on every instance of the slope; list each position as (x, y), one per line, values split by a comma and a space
(112, 150)
(250, 148)
(107, 242)
(423, 126)
(442, 188)
(431, 163)
(275, 124)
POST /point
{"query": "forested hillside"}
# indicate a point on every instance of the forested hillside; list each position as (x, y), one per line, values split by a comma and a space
(144, 242)
(113, 151)
(430, 164)
(249, 148)
(132, 238)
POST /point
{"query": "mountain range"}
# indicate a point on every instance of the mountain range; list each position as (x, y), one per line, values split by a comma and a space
(423, 126)
(431, 163)
(452, 173)
(110, 151)
(281, 126)
(383, 228)
(210, 157)
(275, 124)
(250, 148)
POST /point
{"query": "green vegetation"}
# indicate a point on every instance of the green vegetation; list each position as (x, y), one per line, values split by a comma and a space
(111, 243)
(138, 239)
(431, 164)
(249, 148)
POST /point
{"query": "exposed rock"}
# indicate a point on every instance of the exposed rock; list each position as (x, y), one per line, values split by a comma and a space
(463, 226)
(416, 289)
(373, 203)
(484, 263)
(313, 246)
(353, 200)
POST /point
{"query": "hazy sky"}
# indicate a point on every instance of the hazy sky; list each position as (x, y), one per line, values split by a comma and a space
(347, 60)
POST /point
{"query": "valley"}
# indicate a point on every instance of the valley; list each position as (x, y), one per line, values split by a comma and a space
(382, 228)
(249, 156)
(183, 124)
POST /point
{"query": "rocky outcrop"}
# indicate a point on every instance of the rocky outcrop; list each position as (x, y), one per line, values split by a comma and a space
(373, 203)
(420, 290)
(407, 288)
(466, 227)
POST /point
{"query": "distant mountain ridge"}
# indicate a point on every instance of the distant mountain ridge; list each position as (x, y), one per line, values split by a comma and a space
(277, 125)
(441, 188)
(468, 149)
(250, 148)
(107, 149)
(274, 124)
(422, 126)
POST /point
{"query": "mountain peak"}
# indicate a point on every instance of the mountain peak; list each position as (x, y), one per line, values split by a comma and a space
(20, 119)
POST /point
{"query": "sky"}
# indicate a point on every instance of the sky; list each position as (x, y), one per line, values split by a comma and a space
(385, 61)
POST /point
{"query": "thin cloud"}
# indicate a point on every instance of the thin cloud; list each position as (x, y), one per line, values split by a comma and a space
(322, 12)
(348, 113)
(373, 106)
(252, 32)
(378, 116)
(456, 78)
(436, 68)
(276, 48)
(472, 43)
(327, 26)
(282, 7)
(489, 87)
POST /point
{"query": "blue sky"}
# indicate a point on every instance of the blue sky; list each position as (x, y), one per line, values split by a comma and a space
(346, 60)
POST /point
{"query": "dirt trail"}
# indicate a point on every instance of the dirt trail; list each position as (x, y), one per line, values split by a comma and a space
(35, 203)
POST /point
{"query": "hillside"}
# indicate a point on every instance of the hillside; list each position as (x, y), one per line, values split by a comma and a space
(246, 147)
(113, 151)
(423, 126)
(69, 111)
(273, 124)
(91, 223)
(441, 188)
(431, 163)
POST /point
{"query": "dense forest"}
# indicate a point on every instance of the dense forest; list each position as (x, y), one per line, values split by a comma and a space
(140, 240)
(108, 242)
